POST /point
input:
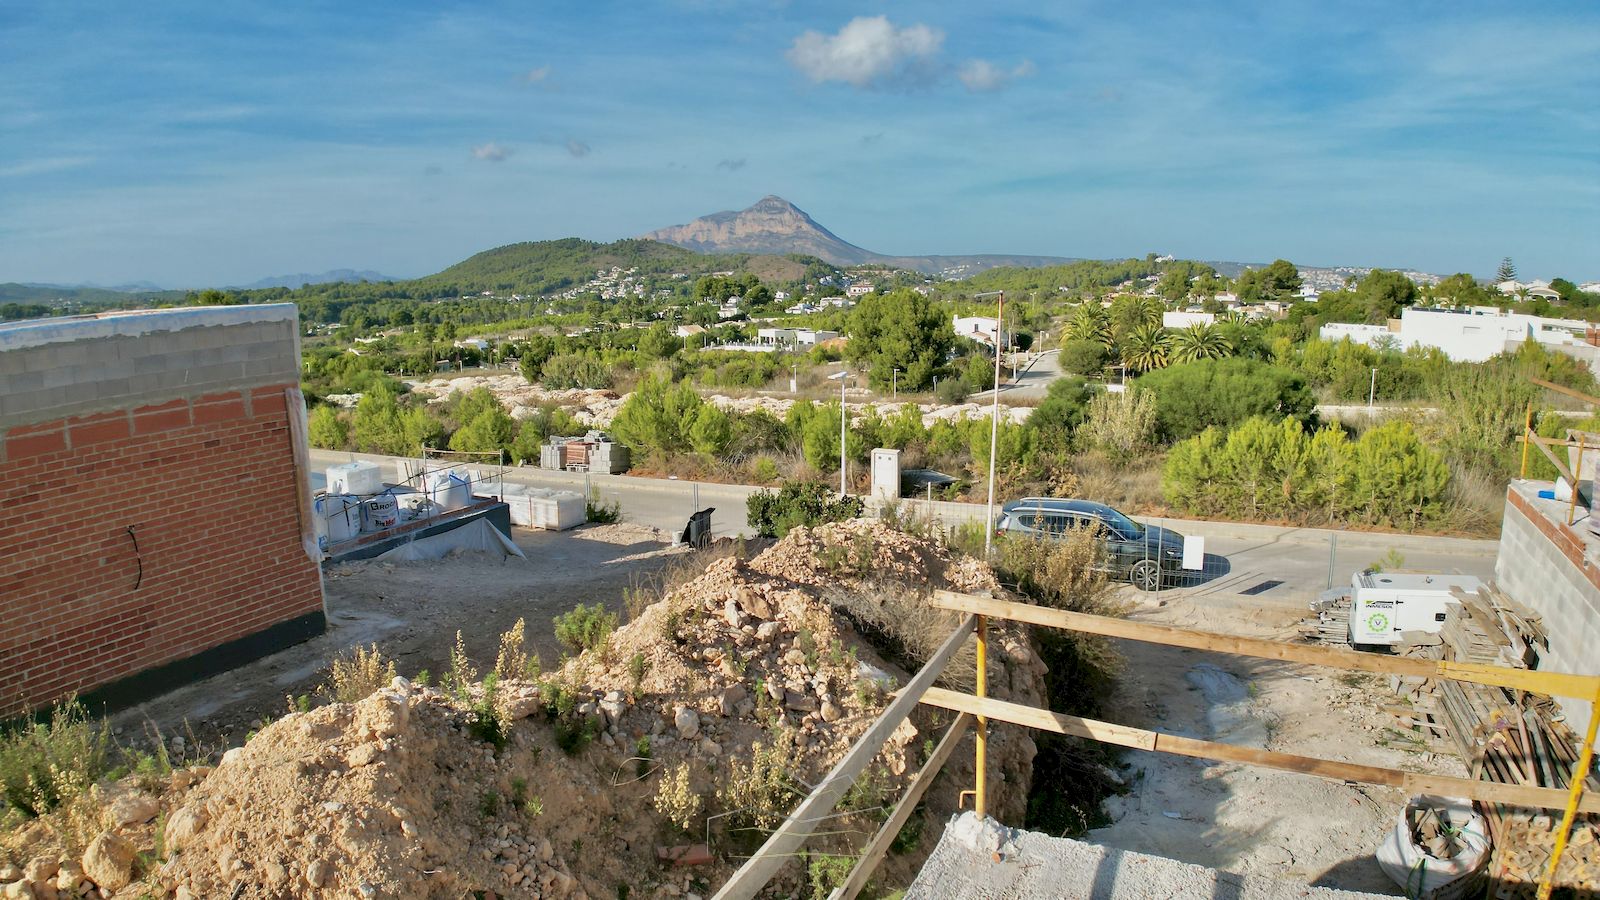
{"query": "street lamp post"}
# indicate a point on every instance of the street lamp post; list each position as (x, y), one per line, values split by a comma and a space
(994, 415)
(844, 421)
(894, 383)
(1372, 391)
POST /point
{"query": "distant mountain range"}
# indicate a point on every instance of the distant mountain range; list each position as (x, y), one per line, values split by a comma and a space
(776, 226)
(328, 277)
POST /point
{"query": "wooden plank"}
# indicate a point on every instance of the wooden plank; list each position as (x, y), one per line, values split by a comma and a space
(1122, 735)
(1557, 683)
(789, 837)
(1562, 389)
(875, 850)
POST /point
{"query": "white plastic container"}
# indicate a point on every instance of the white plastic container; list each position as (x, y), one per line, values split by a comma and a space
(338, 517)
(449, 490)
(380, 512)
(360, 478)
(543, 508)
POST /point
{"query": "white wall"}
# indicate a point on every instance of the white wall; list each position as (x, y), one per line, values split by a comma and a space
(1185, 319)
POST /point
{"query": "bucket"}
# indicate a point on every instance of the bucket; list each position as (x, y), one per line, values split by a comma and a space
(338, 517)
(379, 513)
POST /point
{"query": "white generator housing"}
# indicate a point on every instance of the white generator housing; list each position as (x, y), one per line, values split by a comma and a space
(1383, 604)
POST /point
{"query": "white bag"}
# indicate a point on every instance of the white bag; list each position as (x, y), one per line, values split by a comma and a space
(1425, 876)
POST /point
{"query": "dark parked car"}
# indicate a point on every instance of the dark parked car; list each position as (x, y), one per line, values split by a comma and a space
(1149, 557)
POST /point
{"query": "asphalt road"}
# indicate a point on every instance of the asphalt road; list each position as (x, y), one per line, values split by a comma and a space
(1034, 381)
(1245, 564)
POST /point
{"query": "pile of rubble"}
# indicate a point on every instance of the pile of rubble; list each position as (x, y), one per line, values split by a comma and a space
(400, 794)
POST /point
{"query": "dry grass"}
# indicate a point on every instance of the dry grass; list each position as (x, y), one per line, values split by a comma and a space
(358, 673)
(1132, 485)
(898, 621)
(683, 569)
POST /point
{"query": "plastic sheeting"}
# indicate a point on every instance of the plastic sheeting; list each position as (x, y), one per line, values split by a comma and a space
(478, 536)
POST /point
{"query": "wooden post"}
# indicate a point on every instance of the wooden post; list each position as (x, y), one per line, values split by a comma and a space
(1580, 774)
(1577, 472)
(785, 843)
(1527, 431)
(980, 796)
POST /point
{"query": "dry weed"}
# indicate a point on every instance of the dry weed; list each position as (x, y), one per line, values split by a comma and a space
(676, 800)
(514, 660)
(355, 675)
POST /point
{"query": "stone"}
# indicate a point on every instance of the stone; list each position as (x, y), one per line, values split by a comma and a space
(729, 702)
(108, 861)
(768, 631)
(545, 851)
(830, 711)
(21, 890)
(318, 873)
(613, 706)
(710, 747)
(363, 755)
(41, 868)
(9, 874)
(799, 702)
(753, 601)
(183, 826)
(775, 690)
(731, 613)
(400, 685)
(132, 808)
(795, 657)
(231, 755)
(69, 877)
(687, 722)
(381, 715)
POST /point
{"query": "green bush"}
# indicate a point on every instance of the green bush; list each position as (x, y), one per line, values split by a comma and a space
(809, 503)
(585, 627)
(1083, 357)
(1191, 397)
(574, 370)
(46, 764)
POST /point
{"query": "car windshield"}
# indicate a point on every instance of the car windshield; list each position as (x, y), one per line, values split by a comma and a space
(1121, 524)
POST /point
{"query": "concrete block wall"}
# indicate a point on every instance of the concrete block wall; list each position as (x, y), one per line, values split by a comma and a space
(1542, 564)
(150, 511)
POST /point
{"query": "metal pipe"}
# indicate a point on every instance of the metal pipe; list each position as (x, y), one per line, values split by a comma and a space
(980, 797)
(994, 431)
(1580, 775)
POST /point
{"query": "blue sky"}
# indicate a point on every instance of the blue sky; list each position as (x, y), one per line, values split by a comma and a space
(215, 143)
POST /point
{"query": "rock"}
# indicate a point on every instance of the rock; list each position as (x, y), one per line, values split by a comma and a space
(69, 877)
(753, 601)
(729, 702)
(830, 711)
(800, 702)
(132, 808)
(731, 613)
(408, 828)
(401, 686)
(108, 861)
(231, 755)
(183, 826)
(21, 890)
(524, 702)
(710, 747)
(9, 874)
(587, 709)
(41, 868)
(613, 706)
(775, 690)
(795, 657)
(381, 715)
(687, 722)
(545, 851)
(318, 873)
(362, 755)
(767, 631)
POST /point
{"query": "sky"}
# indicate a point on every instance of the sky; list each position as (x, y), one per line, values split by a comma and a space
(200, 144)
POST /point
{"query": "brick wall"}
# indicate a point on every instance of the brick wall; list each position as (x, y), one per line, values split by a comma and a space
(207, 481)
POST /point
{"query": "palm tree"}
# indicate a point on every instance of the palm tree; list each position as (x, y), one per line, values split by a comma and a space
(1200, 341)
(1145, 347)
(1088, 323)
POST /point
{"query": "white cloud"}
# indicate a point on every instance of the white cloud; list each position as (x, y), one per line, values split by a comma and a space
(491, 152)
(981, 75)
(41, 166)
(731, 165)
(535, 76)
(578, 148)
(869, 52)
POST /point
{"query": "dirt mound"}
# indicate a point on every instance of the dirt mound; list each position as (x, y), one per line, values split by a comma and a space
(744, 685)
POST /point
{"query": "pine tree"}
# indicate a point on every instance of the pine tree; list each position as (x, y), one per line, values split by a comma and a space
(1506, 272)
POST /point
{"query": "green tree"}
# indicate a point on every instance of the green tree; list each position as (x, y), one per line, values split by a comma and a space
(1223, 392)
(1506, 272)
(1200, 341)
(658, 416)
(575, 370)
(1083, 357)
(376, 426)
(325, 429)
(901, 329)
(1064, 408)
(1395, 480)
(1145, 347)
(711, 431)
(489, 429)
(1089, 323)
(659, 342)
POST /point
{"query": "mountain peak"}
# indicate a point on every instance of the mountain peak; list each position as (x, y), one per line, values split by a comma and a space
(771, 225)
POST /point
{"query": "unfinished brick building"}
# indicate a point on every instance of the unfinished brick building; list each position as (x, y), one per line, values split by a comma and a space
(154, 513)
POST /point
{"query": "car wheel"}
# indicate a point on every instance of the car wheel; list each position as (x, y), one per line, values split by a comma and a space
(1146, 575)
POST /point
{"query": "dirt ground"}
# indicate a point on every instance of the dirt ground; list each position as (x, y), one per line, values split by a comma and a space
(1246, 819)
(413, 610)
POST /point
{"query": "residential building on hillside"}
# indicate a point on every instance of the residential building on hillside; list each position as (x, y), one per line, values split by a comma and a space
(1172, 319)
(977, 328)
(859, 289)
(793, 337)
(1472, 335)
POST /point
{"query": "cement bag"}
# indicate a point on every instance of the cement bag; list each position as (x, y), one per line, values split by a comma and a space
(1423, 875)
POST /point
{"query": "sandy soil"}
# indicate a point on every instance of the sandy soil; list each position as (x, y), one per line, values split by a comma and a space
(1245, 819)
(412, 610)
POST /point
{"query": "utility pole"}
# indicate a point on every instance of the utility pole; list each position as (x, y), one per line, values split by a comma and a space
(894, 383)
(1372, 391)
(844, 422)
(994, 419)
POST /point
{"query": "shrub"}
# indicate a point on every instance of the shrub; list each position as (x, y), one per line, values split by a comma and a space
(514, 660)
(325, 429)
(809, 503)
(1121, 424)
(602, 512)
(660, 416)
(765, 470)
(355, 675)
(585, 627)
(1083, 357)
(574, 370)
(44, 765)
(952, 390)
(676, 800)
(759, 789)
(1191, 397)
